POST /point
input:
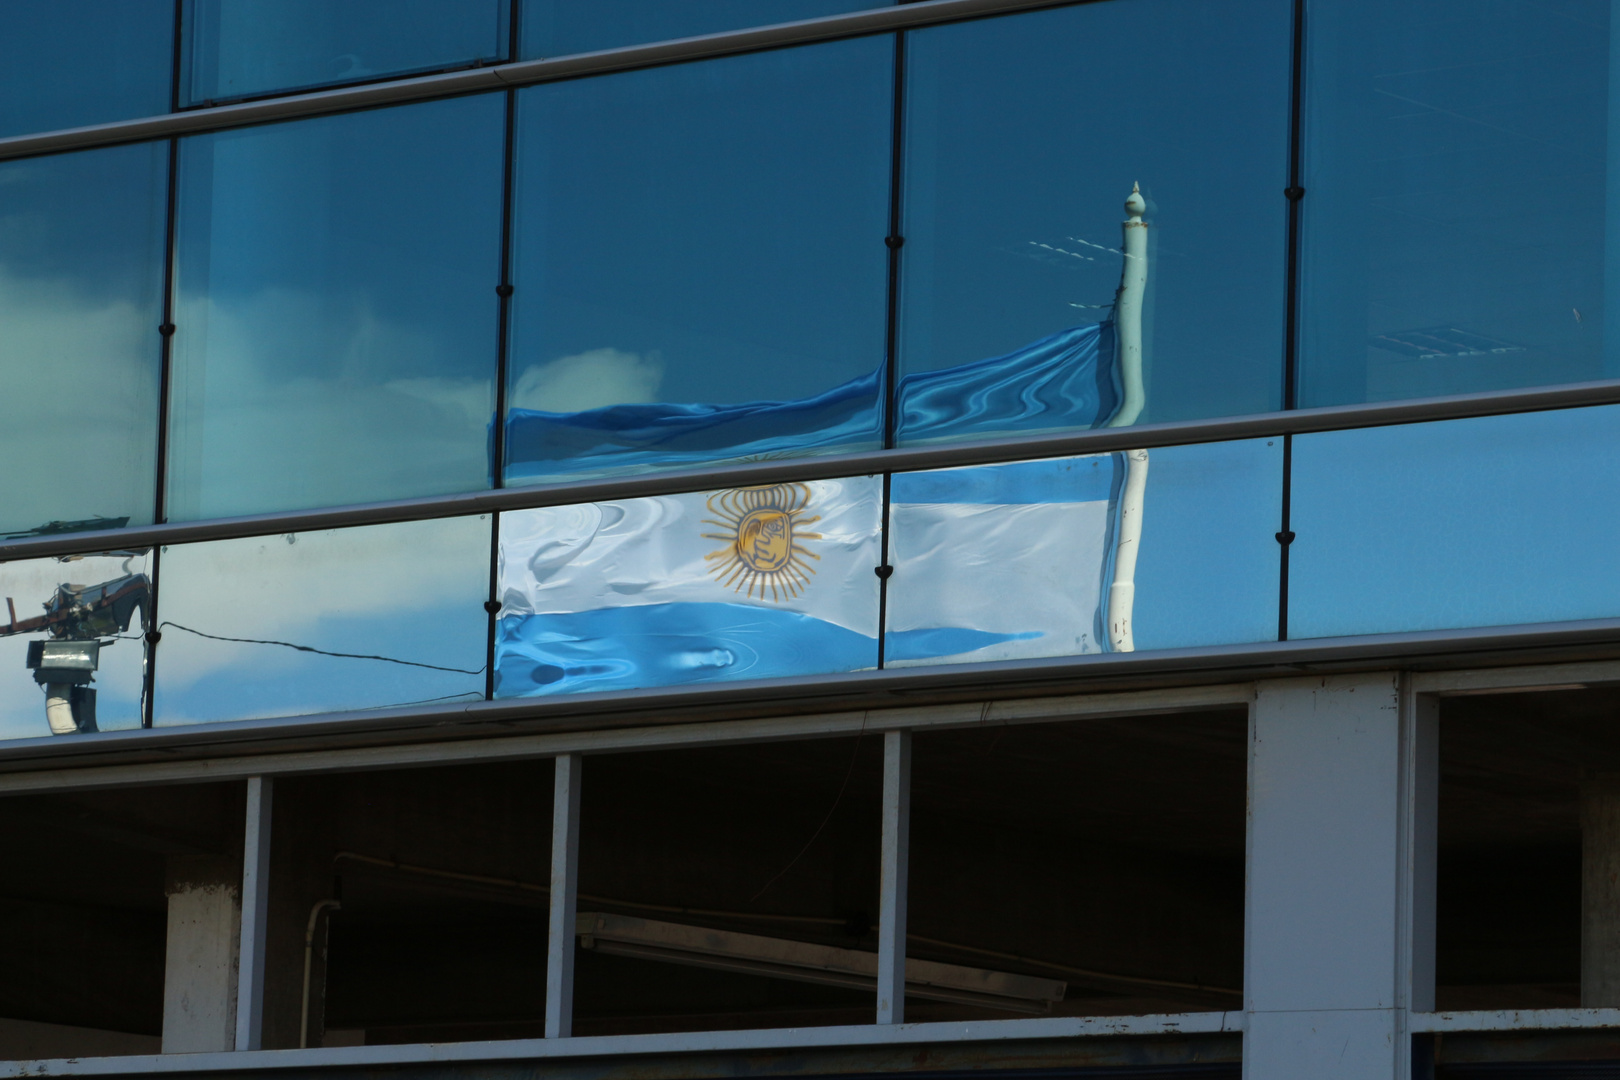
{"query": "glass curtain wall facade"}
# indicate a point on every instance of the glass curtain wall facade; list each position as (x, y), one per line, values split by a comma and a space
(716, 348)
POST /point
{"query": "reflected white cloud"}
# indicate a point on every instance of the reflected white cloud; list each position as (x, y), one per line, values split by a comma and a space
(269, 419)
(590, 380)
(78, 418)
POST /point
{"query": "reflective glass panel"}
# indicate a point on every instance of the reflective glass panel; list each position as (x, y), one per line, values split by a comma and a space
(1491, 521)
(1024, 137)
(241, 48)
(561, 27)
(314, 622)
(1460, 198)
(81, 297)
(1146, 549)
(68, 63)
(336, 309)
(748, 583)
(699, 262)
(72, 657)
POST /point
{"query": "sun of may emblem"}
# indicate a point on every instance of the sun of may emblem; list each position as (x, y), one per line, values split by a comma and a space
(764, 527)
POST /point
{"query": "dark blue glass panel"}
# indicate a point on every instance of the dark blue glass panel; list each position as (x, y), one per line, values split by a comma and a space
(81, 297)
(1461, 198)
(242, 48)
(324, 621)
(755, 583)
(562, 27)
(336, 309)
(1024, 136)
(68, 63)
(699, 262)
(1494, 521)
(1037, 558)
(72, 658)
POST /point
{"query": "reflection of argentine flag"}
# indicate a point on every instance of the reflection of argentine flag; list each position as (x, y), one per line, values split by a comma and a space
(1002, 562)
(1066, 380)
(745, 584)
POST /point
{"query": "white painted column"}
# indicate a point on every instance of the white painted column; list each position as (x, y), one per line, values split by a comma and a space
(255, 914)
(200, 956)
(891, 982)
(1342, 774)
(564, 898)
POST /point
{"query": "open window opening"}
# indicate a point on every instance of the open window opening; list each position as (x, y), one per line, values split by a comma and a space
(1528, 876)
(409, 906)
(119, 914)
(1095, 866)
(730, 887)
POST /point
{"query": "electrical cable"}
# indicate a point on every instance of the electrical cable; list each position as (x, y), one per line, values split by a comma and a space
(321, 652)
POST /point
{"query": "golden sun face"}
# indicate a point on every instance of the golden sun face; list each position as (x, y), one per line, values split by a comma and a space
(764, 527)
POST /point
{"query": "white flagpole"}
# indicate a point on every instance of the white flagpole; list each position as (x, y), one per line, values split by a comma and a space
(1128, 327)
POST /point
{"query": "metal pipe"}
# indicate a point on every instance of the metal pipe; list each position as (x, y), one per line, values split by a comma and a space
(905, 459)
(309, 955)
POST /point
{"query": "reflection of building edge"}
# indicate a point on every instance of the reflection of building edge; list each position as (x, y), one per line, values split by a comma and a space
(1128, 321)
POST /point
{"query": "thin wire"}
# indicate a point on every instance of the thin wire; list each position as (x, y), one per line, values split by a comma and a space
(322, 652)
(853, 757)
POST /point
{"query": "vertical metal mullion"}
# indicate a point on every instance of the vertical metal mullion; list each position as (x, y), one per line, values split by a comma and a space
(255, 911)
(564, 897)
(891, 986)
(166, 329)
(1295, 194)
(503, 291)
(891, 360)
(1285, 536)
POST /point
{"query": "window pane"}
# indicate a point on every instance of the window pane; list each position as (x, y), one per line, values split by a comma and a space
(699, 266)
(81, 297)
(1007, 562)
(561, 27)
(240, 48)
(316, 622)
(1400, 528)
(1024, 137)
(68, 63)
(749, 583)
(1458, 179)
(337, 309)
(72, 659)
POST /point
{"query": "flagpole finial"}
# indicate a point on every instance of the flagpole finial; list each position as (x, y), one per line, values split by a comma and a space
(1135, 204)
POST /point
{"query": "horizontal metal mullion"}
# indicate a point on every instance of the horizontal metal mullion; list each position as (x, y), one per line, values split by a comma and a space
(496, 722)
(519, 73)
(905, 459)
(449, 1054)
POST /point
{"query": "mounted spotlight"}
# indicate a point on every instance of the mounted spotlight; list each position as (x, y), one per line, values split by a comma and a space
(65, 669)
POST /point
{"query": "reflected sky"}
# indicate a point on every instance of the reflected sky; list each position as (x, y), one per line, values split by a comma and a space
(238, 48)
(707, 233)
(337, 311)
(561, 27)
(1024, 135)
(411, 592)
(1459, 180)
(81, 280)
(27, 585)
(1494, 521)
(68, 63)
